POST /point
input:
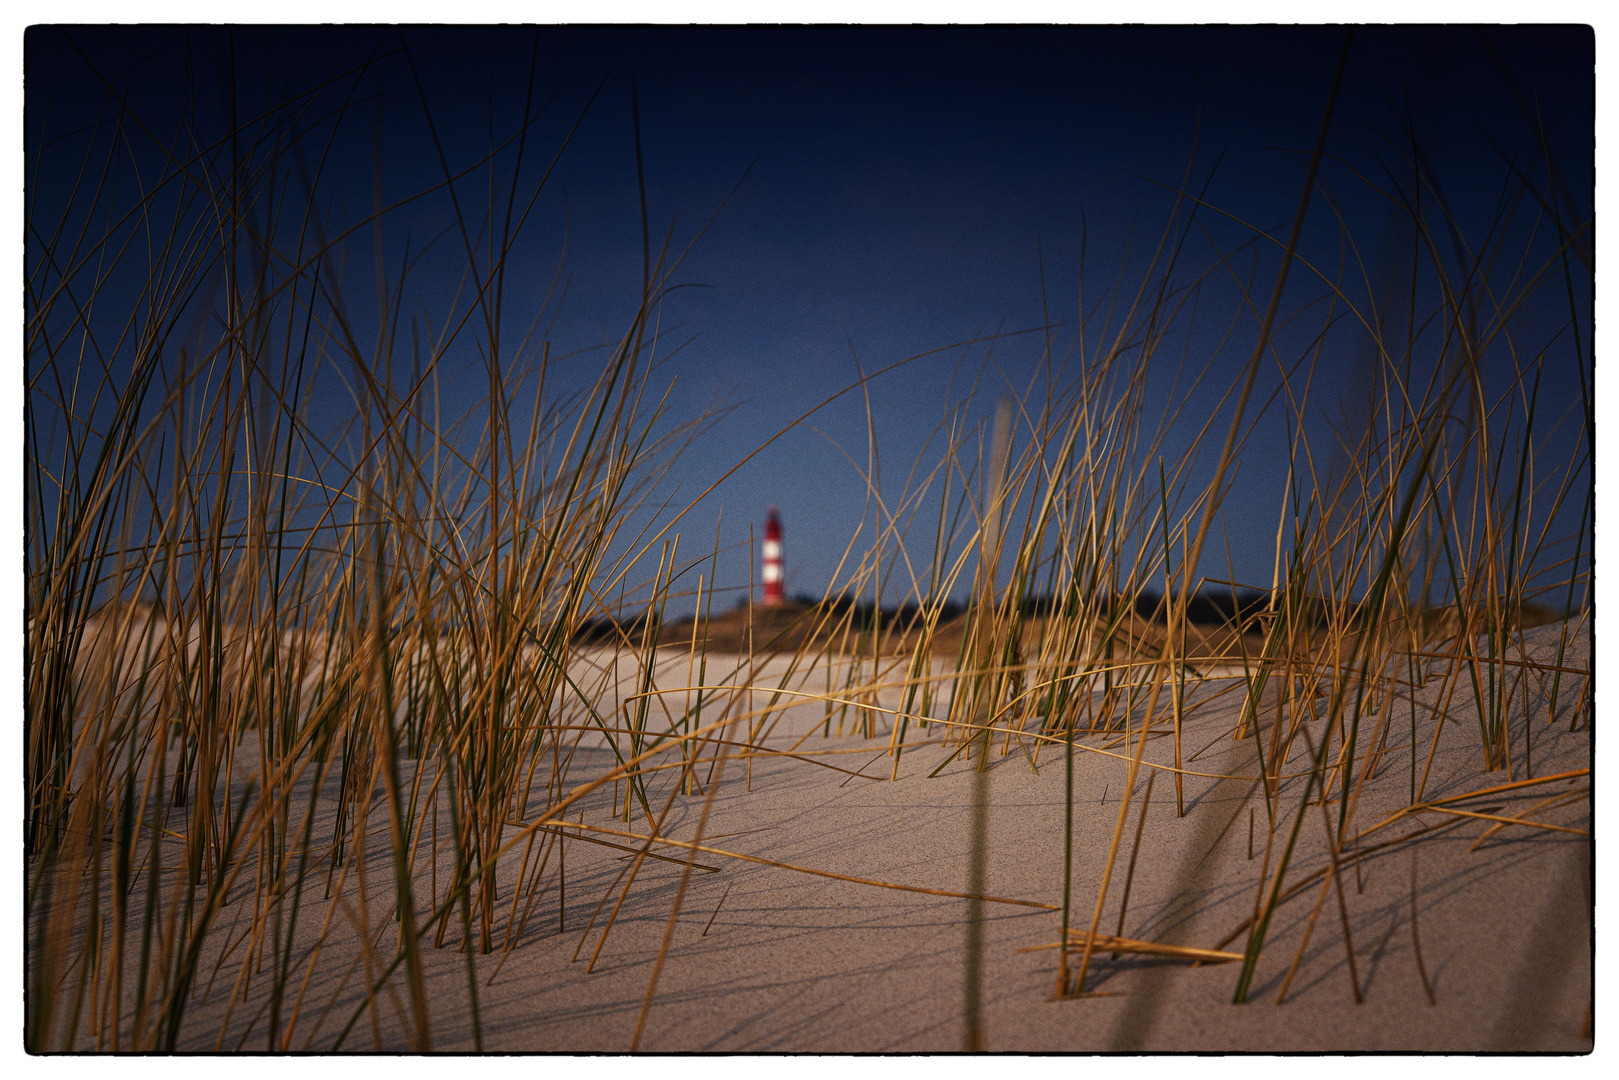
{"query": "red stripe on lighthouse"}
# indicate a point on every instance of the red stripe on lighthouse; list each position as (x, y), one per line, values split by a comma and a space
(772, 561)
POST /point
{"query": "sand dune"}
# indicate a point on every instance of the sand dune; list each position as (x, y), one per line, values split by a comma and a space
(816, 919)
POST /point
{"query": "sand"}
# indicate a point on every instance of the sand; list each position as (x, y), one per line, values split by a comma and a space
(763, 959)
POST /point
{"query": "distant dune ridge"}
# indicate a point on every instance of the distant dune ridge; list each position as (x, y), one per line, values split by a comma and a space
(121, 641)
(1218, 632)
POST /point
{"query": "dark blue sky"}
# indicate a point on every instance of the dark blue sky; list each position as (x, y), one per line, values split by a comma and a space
(910, 189)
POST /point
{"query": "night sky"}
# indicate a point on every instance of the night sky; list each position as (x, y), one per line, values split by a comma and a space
(910, 190)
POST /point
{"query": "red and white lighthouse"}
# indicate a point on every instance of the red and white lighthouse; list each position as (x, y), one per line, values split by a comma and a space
(772, 560)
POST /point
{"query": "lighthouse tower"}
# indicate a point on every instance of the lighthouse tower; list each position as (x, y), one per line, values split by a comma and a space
(772, 560)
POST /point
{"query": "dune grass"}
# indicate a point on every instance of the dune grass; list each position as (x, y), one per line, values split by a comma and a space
(252, 643)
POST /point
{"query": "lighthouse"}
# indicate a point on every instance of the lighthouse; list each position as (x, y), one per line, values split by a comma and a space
(772, 560)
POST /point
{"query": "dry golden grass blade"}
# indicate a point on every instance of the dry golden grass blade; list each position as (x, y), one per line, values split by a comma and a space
(1503, 661)
(811, 870)
(621, 847)
(1112, 943)
(1505, 820)
(1555, 800)
(1435, 804)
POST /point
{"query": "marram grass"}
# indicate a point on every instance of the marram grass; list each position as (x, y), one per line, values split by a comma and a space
(252, 645)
